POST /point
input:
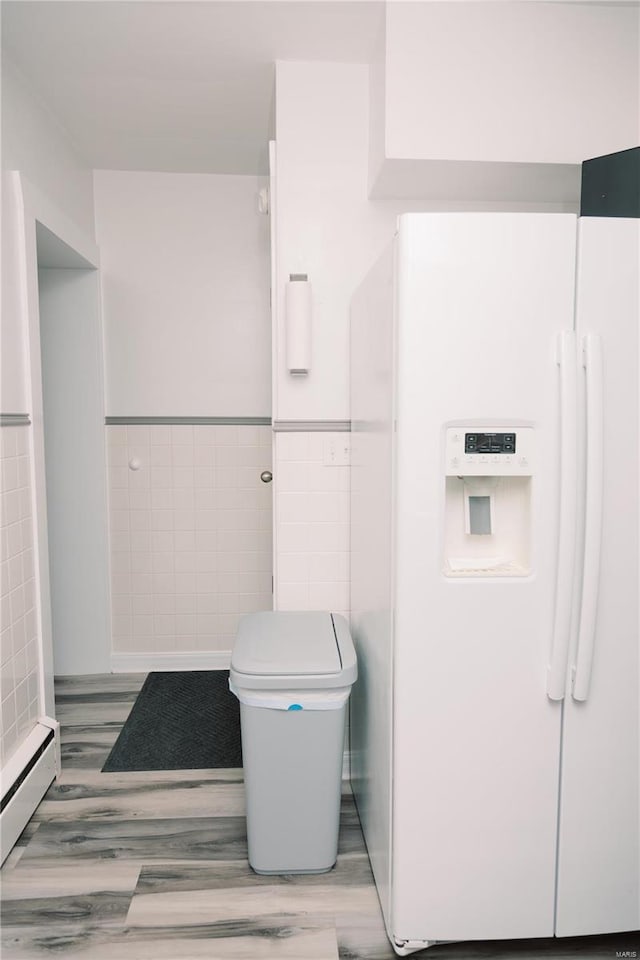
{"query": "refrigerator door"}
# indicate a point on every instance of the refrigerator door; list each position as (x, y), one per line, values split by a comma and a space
(484, 300)
(372, 417)
(599, 842)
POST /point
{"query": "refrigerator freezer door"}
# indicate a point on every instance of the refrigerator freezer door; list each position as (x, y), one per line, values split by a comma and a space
(482, 301)
(372, 416)
(599, 844)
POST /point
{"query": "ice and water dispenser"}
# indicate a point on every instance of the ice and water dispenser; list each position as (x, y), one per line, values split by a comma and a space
(488, 501)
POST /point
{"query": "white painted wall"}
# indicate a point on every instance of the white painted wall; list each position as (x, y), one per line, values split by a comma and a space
(487, 102)
(185, 273)
(35, 143)
(377, 103)
(521, 82)
(13, 375)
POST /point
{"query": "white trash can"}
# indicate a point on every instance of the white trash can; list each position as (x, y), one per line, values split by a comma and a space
(292, 673)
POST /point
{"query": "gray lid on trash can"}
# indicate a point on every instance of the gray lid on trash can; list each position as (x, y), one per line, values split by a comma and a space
(291, 649)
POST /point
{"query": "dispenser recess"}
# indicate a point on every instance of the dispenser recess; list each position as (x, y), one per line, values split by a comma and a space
(488, 476)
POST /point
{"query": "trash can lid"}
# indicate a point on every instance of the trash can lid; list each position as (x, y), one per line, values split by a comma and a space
(288, 649)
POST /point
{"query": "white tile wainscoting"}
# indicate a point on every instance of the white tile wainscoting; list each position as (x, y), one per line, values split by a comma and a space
(311, 522)
(19, 628)
(191, 540)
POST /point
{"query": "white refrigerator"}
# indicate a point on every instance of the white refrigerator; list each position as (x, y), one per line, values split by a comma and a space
(494, 726)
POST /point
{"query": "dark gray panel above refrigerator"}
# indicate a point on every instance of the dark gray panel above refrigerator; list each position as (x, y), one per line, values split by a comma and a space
(611, 185)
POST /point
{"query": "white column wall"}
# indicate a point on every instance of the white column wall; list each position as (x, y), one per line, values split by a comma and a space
(312, 510)
(326, 227)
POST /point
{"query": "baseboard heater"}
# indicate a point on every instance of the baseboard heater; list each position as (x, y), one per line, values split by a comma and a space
(25, 779)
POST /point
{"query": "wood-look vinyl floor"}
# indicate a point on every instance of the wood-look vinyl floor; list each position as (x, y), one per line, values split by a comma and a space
(130, 866)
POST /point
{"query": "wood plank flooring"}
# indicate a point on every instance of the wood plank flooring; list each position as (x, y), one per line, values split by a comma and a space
(117, 866)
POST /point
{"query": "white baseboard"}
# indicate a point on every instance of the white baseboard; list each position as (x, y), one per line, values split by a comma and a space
(24, 790)
(185, 660)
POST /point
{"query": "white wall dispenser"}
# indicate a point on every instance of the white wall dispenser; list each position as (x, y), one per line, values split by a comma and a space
(298, 309)
(487, 501)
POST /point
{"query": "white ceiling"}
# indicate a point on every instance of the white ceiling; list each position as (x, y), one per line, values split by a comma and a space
(175, 85)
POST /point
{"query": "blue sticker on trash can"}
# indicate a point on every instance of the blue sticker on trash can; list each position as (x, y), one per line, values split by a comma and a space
(294, 706)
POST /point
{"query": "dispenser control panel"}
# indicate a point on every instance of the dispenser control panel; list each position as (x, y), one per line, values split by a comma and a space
(490, 443)
(488, 451)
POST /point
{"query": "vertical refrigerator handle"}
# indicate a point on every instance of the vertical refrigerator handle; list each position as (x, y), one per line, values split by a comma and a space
(557, 669)
(592, 362)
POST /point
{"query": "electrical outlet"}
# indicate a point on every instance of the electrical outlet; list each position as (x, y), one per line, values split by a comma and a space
(337, 451)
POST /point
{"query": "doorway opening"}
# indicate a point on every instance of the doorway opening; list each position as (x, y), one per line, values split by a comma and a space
(71, 351)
